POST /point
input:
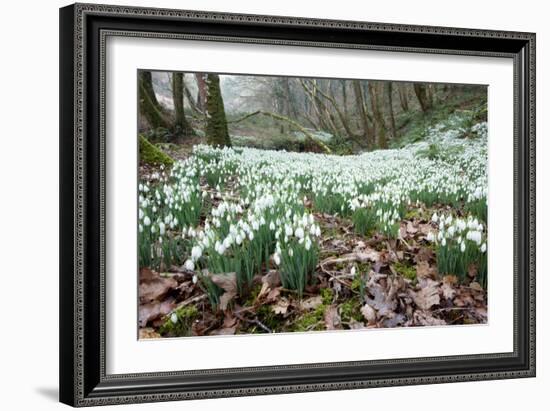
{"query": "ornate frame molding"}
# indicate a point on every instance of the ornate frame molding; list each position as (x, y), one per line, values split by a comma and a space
(83, 378)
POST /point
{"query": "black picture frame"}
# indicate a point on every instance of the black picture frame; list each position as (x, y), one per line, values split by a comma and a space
(83, 29)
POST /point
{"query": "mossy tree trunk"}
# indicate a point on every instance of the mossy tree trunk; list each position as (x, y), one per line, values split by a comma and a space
(150, 108)
(201, 94)
(375, 92)
(181, 125)
(423, 97)
(389, 92)
(217, 133)
(403, 100)
(363, 114)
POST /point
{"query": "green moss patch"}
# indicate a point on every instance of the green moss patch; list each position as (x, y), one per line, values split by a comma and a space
(150, 154)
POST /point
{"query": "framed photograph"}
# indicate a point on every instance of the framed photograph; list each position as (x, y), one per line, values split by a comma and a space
(261, 204)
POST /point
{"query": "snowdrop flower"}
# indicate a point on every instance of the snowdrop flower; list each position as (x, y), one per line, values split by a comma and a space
(195, 279)
(272, 226)
(308, 243)
(162, 228)
(462, 247)
(251, 235)
(288, 231)
(174, 318)
(147, 221)
(196, 253)
(140, 214)
(277, 259)
(291, 252)
(352, 272)
(189, 265)
(299, 233)
(483, 247)
(444, 242)
(474, 236)
(430, 237)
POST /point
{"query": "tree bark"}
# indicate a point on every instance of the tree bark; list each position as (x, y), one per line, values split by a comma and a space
(403, 99)
(362, 109)
(380, 127)
(149, 106)
(217, 134)
(389, 92)
(422, 96)
(181, 126)
(201, 95)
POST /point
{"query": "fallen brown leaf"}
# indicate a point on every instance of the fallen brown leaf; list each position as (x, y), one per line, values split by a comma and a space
(428, 295)
(448, 291)
(355, 325)
(364, 256)
(369, 314)
(151, 311)
(332, 318)
(426, 318)
(411, 229)
(425, 270)
(154, 287)
(311, 303)
(281, 306)
(424, 254)
(228, 283)
(146, 333)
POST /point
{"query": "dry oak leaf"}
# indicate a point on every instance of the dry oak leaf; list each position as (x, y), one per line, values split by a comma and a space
(273, 295)
(145, 333)
(332, 318)
(269, 281)
(448, 291)
(353, 324)
(424, 270)
(428, 295)
(363, 256)
(281, 306)
(151, 311)
(311, 303)
(225, 331)
(369, 314)
(228, 283)
(426, 318)
(154, 287)
(383, 303)
(411, 229)
(424, 254)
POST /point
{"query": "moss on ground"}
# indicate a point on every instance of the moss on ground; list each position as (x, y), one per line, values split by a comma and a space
(405, 270)
(184, 317)
(150, 154)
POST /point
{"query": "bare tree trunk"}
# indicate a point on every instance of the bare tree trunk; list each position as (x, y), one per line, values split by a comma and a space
(375, 91)
(389, 91)
(362, 109)
(217, 133)
(422, 95)
(201, 95)
(192, 101)
(149, 106)
(181, 126)
(292, 112)
(403, 99)
(344, 97)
